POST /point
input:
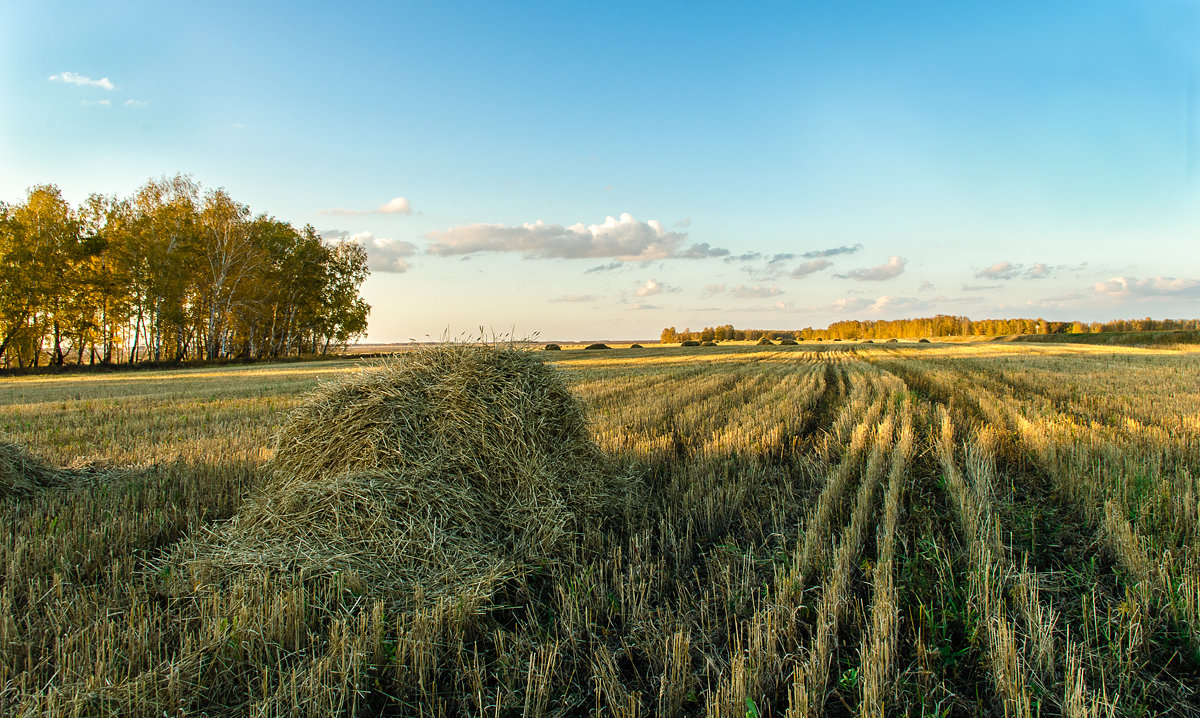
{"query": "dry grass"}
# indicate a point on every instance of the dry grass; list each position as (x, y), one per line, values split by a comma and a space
(22, 473)
(447, 469)
(833, 528)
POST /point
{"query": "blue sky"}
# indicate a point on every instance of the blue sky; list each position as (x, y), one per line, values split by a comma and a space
(605, 170)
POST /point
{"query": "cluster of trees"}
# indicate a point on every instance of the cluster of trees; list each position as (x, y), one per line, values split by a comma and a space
(172, 273)
(724, 333)
(940, 326)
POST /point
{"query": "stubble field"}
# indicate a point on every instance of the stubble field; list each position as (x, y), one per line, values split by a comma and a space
(849, 529)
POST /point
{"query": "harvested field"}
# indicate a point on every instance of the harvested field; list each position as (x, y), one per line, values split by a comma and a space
(989, 529)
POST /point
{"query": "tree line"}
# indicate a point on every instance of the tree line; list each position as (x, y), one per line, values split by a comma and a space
(172, 273)
(939, 326)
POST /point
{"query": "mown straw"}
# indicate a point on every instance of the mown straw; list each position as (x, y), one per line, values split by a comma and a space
(22, 473)
(448, 469)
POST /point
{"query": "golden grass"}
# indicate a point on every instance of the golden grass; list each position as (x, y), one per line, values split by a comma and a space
(886, 529)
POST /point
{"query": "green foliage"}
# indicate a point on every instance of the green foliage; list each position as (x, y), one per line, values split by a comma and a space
(170, 273)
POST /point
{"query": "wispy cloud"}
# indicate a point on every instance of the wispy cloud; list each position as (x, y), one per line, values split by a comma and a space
(136, 103)
(1009, 270)
(624, 239)
(711, 289)
(882, 304)
(398, 205)
(770, 259)
(849, 304)
(891, 303)
(892, 268)
(810, 267)
(384, 254)
(832, 251)
(755, 292)
(639, 307)
(74, 78)
(1000, 270)
(576, 298)
(604, 267)
(1158, 287)
(96, 103)
(979, 287)
(652, 287)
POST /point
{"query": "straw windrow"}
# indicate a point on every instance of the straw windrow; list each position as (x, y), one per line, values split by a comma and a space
(22, 473)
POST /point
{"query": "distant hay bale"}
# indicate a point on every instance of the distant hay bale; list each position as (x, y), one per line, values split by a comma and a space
(689, 343)
(597, 346)
(708, 344)
(764, 342)
(552, 347)
(449, 468)
(636, 346)
(787, 342)
(923, 340)
(22, 473)
(868, 341)
(893, 340)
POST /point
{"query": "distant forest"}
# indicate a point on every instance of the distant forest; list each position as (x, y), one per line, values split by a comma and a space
(940, 326)
(172, 273)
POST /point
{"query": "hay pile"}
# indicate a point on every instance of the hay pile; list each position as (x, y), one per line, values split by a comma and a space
(22, 473)
(764, 342)
(788, 342)
(449, 469)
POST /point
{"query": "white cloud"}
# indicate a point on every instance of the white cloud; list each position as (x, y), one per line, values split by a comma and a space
(383, 253)
(1134, 288)
(136, 103)
(100, 103)
(711, 289)
(575, 298)
(639, 307)
(652, 287)
(398, 205)
(1038, 271)
(625, 239)
(808, 268)
(684, 223)
(755, 292)
(892, 268)
(74, 78)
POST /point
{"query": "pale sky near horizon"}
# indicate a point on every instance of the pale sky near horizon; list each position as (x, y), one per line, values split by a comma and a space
(591, 171)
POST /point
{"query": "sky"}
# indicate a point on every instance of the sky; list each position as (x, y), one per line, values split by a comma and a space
(604, 170)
